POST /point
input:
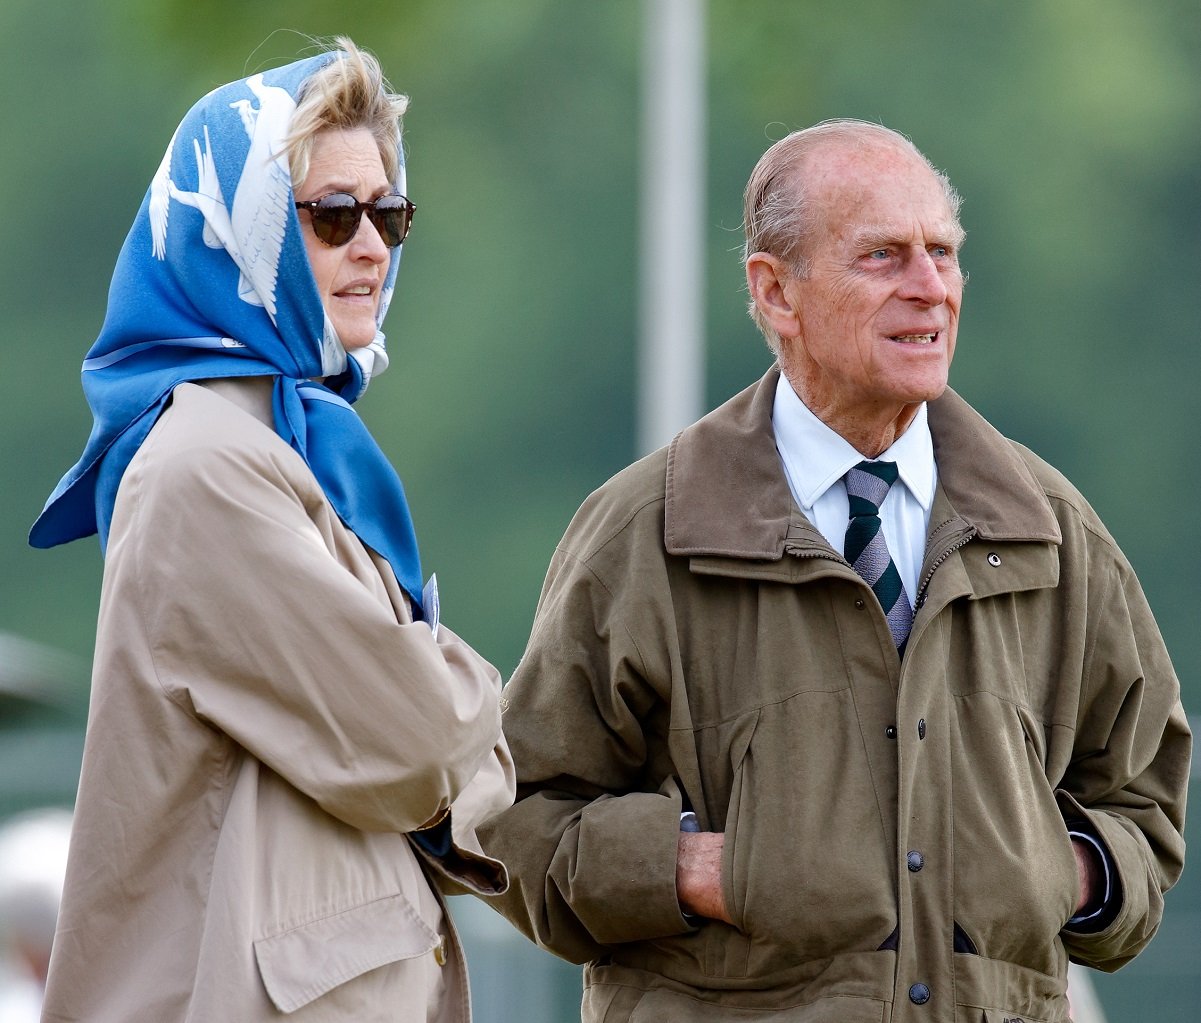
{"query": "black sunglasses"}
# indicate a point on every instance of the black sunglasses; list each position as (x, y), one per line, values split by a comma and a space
(336, 217)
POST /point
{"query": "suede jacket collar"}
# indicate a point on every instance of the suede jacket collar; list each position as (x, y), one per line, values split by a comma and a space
(727, 495)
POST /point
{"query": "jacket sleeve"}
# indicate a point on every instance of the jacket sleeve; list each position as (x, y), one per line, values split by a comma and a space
(1129, 771)
(459, 864)
(591, 842)
(259, 631)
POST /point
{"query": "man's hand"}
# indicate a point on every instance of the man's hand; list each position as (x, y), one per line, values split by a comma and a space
(698, 874)
(1088, 872)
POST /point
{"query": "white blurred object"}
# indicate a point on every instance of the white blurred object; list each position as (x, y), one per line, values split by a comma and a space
(20, 996)
(33, 862)
(671, 381)
(33, 672)
(1083, 1003)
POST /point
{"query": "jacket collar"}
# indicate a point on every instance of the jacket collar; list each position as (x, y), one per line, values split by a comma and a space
(727, 496)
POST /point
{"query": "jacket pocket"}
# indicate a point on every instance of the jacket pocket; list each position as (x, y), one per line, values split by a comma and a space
(733, 873)
(663, 1006)
(803, 830)
(1015, 871)
(1004, 1016)
(305, 962)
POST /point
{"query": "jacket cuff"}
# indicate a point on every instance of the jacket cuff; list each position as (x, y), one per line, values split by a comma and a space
(1100, 912)
(1093, 920)
(628, 847)
(458, 867)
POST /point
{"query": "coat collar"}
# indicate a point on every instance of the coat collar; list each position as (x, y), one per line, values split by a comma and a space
(727, 495)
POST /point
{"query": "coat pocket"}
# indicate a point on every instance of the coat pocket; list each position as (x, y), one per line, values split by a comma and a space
(670, 1007)
(307, 961)
(1004, 1016)
(804, 830)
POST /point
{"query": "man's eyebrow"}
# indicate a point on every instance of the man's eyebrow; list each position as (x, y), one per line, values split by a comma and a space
(877, 236)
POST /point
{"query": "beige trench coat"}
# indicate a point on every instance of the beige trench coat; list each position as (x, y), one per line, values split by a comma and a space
(895, 839)
(266, 725)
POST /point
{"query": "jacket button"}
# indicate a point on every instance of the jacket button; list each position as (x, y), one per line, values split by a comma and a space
(890, 732)
(440, 952)
(994, 559)
(919, 994)
(859, 604)
(914, 860)
(921, 728)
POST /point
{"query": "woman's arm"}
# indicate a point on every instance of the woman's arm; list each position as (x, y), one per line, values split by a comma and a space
(264, 621)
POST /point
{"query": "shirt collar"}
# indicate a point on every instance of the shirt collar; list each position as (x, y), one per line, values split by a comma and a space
(815, 457)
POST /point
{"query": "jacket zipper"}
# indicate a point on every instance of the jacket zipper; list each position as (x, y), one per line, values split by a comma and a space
(947, 552)
(813, 552)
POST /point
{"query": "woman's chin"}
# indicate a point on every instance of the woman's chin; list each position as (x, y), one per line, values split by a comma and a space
(356, 336)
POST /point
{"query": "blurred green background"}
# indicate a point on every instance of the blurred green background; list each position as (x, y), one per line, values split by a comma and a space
(1070, 126)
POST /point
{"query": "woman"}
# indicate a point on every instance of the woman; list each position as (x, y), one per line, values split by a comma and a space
(286, 753)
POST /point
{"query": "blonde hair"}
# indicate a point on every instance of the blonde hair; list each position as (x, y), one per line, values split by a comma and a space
(349, 92)
(778, 210)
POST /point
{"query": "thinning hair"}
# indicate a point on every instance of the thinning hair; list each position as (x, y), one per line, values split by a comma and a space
(779, 212)
(349, 92)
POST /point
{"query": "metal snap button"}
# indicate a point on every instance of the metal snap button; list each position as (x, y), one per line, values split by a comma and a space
(994, 559)
(919, 994)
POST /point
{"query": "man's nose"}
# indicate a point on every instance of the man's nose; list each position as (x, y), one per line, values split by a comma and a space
(922, 281)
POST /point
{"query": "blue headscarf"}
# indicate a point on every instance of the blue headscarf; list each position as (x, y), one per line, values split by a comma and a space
(213, 281)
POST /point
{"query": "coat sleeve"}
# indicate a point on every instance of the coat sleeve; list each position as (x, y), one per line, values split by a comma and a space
(257, 629)
(1129, 770)
(591, 842)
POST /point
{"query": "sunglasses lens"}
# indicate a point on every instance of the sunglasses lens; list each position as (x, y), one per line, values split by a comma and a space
(392, 216)
(336, 218)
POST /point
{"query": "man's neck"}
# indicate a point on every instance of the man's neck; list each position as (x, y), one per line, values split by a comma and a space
(870, 426)
(869, 431)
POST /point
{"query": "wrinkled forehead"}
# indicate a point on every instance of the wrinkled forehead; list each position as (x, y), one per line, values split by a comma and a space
(877, 192)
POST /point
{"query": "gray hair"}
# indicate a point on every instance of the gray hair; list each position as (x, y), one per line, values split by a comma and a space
(349, 92)
(778, 211)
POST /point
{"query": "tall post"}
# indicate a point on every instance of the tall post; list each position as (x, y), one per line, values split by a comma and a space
(671, 212)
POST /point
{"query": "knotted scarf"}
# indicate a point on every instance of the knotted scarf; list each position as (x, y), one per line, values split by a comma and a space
(213, 281)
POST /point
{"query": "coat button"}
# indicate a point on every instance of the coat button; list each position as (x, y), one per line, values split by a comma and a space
(440, 952)
(921, 728)
(890, 732)
(859, 604)
(994, 560)
(919, 994)
(914, 860)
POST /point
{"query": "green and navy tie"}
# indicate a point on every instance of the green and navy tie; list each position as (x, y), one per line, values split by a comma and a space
(868, 484)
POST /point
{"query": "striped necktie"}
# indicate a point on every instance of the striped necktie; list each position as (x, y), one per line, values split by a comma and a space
(868, 484)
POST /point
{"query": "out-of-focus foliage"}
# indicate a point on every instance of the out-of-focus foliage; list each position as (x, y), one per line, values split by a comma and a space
(1070, 126)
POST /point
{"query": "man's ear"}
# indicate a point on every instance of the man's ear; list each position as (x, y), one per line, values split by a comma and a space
(766, 276)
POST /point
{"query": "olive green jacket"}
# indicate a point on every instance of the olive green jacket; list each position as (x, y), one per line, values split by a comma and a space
(698, 643)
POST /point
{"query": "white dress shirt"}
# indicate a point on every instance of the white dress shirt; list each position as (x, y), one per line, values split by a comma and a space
(816, 459)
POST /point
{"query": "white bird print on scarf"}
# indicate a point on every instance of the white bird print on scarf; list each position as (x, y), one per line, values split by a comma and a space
(253, 231)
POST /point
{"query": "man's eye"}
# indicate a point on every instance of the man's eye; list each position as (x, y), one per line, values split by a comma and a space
(941, 251)
(879, 254)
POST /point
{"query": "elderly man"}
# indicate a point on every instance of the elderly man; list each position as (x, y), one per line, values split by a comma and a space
(843, 707)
